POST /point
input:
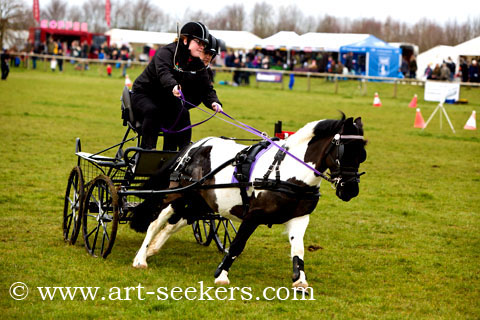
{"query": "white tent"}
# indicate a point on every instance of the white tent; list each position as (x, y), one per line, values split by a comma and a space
(469, 48)
(330, 42)
(233, 39)
(121, 36)
(286, 40)
(433, 56)
(236, 39)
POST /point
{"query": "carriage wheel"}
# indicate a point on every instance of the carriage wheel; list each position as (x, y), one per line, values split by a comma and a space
(225, 232)
(203, 231)
(100, 217)
(73, 206)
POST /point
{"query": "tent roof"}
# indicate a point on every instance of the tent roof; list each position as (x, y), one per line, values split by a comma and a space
(281, 40)
(469, 48)
(236, 39)
(369, 44)
(317, 41)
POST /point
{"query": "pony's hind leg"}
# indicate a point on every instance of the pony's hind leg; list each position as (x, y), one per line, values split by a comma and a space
(140, 260)
(163, 236)
(296, 230)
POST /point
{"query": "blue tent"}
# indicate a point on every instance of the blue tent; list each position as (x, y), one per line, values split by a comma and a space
(374, 57)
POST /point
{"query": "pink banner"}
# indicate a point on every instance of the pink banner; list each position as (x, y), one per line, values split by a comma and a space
(107, 12)
(36, 10)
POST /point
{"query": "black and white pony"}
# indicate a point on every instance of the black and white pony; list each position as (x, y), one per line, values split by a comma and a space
(337, 145)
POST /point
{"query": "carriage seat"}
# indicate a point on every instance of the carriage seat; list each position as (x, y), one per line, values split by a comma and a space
(127, 112)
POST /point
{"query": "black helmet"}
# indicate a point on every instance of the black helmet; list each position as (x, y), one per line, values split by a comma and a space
(195, 30)
(213, 46)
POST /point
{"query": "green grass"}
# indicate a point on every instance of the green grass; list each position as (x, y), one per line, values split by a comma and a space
(407, 247)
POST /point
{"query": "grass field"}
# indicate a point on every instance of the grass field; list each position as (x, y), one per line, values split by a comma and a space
(407, 247)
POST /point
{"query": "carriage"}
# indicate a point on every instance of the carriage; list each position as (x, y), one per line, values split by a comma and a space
(102, 191)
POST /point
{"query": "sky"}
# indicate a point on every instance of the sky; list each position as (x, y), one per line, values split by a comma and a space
(409, 11)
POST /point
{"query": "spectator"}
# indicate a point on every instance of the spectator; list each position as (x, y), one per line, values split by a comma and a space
(349, 62)
(4, 58)
(451, 66)
(404, 67)
(412, 67)
(428, 74)
(474, 72)
(444, 72)
(464, 70)
(60, 53)
(436, 72)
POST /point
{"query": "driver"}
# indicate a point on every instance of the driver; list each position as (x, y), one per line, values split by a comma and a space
(175, 67)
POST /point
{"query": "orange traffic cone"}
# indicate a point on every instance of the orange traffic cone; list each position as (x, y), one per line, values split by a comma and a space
(376, 100)
(413, 103)
(471, 122)
(419, 122)
(128, 83)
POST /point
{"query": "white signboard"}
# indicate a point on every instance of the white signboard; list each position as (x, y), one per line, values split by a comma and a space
(441, 91)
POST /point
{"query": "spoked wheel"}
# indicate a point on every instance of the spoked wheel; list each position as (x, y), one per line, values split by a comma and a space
(225, 232)
(203, 230)
(100, 217)
(73, 206)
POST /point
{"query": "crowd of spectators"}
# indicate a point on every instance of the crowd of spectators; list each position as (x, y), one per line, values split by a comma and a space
(278, 60)
(468, 71)
(322, 62)
(76, 49)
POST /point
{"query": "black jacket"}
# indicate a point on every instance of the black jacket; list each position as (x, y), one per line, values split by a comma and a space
(160, 76)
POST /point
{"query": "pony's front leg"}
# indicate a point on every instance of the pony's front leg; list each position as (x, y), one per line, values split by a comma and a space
(296, 230)
(238, 244)
(140, 260)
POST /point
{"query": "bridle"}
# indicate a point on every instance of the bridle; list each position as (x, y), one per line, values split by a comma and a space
(335, 151)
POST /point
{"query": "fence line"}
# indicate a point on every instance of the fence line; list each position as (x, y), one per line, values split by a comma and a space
(336, 76)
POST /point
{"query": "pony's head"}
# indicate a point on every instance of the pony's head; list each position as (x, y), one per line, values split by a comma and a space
(339, 145)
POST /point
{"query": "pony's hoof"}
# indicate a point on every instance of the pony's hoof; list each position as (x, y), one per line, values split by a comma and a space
(138, 265)
(300, 284)
(222, 279)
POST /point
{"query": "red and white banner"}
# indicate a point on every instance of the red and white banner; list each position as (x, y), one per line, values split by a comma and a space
(36, 11)
(107, 12)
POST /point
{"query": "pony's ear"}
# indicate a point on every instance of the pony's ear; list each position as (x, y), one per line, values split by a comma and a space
(358, 123)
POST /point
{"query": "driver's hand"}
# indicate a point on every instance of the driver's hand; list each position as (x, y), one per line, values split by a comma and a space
(176, 91)
(216, 107)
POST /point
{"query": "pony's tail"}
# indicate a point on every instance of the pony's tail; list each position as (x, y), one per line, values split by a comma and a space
(147, 211)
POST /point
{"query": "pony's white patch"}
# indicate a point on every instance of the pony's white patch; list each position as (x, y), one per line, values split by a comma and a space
(222, 279)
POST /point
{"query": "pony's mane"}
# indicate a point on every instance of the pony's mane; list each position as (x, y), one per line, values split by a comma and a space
(317, 129)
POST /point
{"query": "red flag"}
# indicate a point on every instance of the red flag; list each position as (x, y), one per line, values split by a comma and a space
(36, 11)
(107, 12)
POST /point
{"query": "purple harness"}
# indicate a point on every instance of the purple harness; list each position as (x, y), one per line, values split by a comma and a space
(234, 180)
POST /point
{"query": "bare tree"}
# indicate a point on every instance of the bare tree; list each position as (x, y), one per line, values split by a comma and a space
(14, 16)
(262, 19)
(289, 19)
(329, 24)
(94, 15)
(235, 15)
(74, 13)
(56, 10)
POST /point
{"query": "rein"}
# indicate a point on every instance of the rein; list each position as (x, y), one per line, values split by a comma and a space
(264, 136)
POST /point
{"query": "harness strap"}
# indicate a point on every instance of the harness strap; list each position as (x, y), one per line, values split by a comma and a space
(277, 160)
